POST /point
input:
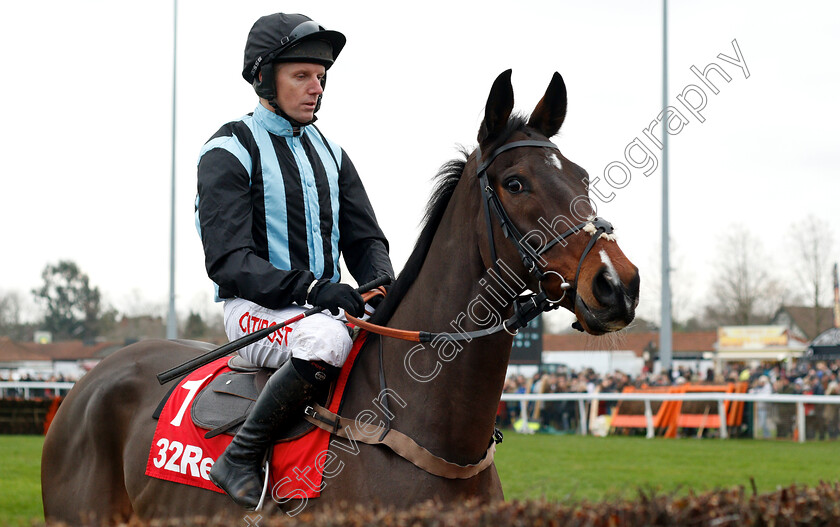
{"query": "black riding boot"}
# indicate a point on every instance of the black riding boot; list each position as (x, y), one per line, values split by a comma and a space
(293, 385)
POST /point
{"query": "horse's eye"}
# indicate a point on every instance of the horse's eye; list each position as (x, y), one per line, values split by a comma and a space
(514, 185)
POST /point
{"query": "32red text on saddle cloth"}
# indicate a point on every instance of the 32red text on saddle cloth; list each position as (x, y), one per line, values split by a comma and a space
(180, 452)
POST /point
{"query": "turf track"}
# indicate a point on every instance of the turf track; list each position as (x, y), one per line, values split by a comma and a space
(558, 468)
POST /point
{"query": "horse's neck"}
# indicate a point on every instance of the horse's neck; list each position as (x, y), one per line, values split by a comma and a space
(450, 390)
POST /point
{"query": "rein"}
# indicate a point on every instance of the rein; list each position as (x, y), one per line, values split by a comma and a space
(526, 308)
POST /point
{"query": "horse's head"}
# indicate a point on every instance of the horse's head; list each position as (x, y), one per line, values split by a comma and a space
(554, 240)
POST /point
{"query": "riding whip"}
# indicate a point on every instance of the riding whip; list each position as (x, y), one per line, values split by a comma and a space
(210, 356)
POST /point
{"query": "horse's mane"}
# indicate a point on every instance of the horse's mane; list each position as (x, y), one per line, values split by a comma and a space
(446, 180)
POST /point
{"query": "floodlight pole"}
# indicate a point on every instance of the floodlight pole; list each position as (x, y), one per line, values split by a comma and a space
(665, 343)
(172, 319)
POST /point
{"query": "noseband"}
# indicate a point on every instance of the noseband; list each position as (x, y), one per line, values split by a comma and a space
(530, 257)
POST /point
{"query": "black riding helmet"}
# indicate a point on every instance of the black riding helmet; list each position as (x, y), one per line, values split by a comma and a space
(286, 38)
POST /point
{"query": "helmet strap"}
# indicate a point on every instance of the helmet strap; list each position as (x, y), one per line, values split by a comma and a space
(296, 125)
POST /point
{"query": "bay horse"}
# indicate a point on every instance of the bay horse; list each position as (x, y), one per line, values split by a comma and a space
(491, 231)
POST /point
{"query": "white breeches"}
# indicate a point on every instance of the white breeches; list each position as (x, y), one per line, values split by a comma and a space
(321, 336)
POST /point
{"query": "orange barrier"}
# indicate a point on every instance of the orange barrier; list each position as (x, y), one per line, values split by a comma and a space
(736, 416)
(51, 413)
(704, 414)
(670, 416)
(631, 414)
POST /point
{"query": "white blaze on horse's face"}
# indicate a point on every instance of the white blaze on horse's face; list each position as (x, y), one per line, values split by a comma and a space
(554, 161)
(611, 274)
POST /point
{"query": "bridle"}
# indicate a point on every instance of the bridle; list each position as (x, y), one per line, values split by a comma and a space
(526, 307)
(530, 257)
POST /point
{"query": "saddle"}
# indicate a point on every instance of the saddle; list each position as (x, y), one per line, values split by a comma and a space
(223, 405)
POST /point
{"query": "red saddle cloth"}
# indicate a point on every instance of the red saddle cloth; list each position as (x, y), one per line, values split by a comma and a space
(182, 454)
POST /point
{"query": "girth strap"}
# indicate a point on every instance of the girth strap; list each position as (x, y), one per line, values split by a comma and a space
(401, 444)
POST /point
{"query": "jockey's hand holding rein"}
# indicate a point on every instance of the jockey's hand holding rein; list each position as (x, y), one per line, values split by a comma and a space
(333, 296)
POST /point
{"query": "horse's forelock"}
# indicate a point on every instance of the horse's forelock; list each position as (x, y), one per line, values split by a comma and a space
(516, 123)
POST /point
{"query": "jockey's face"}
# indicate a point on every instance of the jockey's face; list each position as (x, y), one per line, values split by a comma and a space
(298, 88)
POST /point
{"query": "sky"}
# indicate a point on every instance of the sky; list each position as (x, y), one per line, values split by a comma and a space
(86, 106)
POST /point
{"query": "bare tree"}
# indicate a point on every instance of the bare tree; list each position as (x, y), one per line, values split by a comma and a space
(744, 290)
(812, 242)
(11, 324)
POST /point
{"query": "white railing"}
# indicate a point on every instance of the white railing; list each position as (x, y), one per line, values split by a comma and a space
(26, 386)
(799, 400)
(720, 397)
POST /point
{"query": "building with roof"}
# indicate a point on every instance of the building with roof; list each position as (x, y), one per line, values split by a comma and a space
(756, 344)
(804, 322)
(825, 347)
(69, 359)
(699, 350)
(627, 352)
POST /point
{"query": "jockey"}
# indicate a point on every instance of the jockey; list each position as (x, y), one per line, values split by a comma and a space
(277, 205)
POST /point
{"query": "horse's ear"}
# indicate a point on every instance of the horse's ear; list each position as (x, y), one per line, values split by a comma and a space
(498, 109)
(549, 114)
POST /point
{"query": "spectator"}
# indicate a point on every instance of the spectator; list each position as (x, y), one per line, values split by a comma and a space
(831, 412)
(762, 387)
(786, 414)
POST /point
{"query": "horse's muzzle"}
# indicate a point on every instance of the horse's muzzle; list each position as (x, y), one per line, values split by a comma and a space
(616, 303)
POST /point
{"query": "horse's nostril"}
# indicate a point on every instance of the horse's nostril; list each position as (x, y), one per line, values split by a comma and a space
(603, 288)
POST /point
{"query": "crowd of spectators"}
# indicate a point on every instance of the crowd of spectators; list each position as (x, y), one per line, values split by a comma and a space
(20, 392)
(820, 378)
(821, 420)
(39, 377)
(779, 420)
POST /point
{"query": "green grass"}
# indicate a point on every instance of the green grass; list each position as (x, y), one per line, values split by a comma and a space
(558, 468)
(20, 480)
(563, 468)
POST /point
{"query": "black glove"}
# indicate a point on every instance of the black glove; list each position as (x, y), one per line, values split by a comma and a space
(332, 296)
